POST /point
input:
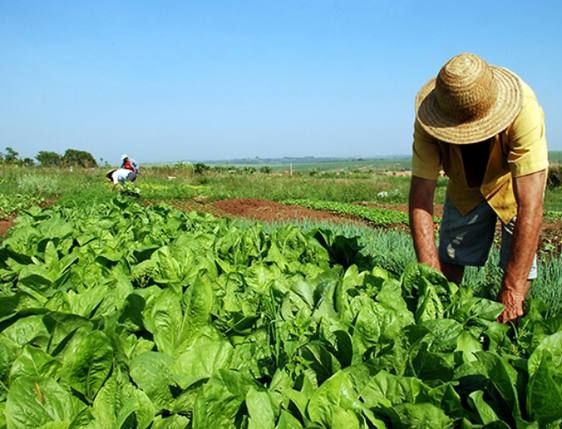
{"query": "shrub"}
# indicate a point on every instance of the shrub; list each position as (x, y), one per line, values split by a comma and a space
(38, 185)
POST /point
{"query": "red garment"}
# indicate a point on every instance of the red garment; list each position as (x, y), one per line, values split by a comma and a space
(127, 165)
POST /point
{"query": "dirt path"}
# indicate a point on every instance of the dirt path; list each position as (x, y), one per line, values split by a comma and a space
(271, 211)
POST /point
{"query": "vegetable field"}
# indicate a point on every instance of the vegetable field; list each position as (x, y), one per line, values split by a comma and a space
(116, 315)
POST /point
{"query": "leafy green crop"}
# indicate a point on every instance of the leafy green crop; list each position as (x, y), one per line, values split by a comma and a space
(377, 216)
(10, 204)
(121, 316)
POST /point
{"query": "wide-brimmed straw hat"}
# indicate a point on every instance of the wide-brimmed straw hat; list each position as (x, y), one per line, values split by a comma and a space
(469, 101)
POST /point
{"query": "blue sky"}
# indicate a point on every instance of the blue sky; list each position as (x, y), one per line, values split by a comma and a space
(210, 80)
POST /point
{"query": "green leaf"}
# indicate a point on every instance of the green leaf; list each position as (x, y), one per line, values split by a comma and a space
(337, 391)
(220, 399)
(37, 401)
(288, 421)
(199, 299)
(544, 391)
(30, 329)
(484, 410)
(260, 409)
(387, 390)
(88, 362)
(34, 362)
(201, 360)
(152, 372)
(419, 416)
(320, 360)
(121, 405)
(164, 320)
(171, 422)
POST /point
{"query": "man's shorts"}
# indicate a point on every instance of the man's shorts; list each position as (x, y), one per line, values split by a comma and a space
(466, 240)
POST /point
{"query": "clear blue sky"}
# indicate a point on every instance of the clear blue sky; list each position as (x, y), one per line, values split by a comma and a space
(221, 79)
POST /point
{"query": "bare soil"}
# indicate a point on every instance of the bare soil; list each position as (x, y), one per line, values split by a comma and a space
(271, 211)
(5, 225)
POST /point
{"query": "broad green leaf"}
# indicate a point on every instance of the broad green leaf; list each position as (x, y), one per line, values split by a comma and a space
(337, 391)
(221, 399)
(485, 412)
(119, 404)
(34, 362)
(260, 410)
(393, 311)
(419, 416)
(88, 362)
(171, 422)
(30, 329)
(201, 360)
(37, 401)
(544, 391)
(62, 328)
(152, 373)
(199, 300)
(8, 353)
(288, 421)
(164, 321)
(320, 360)
(344, 419)
(387, 390)
(429, 306)
(468, 345)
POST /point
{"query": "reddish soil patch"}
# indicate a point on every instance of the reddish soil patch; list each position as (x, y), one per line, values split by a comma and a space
(5, 225)
(271, 211)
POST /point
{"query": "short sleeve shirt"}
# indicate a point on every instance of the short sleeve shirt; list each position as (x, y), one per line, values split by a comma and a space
(519, 150)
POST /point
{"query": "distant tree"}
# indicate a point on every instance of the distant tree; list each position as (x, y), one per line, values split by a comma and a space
(200, 168)
(11, 156)
(265, 169)
(48, 159)
(78, 158)
(27, 162)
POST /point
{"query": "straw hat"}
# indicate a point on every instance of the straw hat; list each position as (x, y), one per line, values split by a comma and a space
(469, 101)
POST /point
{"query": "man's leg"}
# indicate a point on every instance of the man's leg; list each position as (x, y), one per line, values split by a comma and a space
(454, 273)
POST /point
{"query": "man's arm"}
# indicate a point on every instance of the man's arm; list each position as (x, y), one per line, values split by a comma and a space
(421, 220)
(529, 193)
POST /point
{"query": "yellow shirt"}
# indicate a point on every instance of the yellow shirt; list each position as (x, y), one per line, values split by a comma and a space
(517, 151)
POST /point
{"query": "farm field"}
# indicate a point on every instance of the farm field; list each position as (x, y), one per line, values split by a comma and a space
(256, 300)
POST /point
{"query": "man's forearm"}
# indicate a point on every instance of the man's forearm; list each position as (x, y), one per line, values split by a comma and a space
(421, 226)
(529, 192)
(421, 221)
(523, 247)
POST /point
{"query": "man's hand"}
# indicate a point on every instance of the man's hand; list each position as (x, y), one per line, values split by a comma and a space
(513, 301)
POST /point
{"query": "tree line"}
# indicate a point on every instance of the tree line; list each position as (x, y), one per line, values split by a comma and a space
(70, 158)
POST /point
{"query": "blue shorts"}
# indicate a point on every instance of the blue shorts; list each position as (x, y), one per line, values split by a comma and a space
(466, 240)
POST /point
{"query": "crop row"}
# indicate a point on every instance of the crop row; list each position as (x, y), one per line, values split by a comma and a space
(10, 204)
(378, 216)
